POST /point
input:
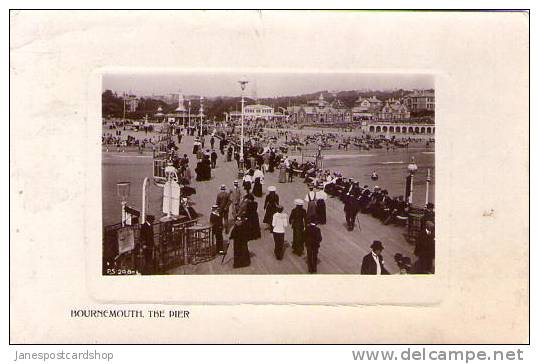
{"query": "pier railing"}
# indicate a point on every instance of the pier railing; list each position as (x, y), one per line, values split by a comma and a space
(175, 243)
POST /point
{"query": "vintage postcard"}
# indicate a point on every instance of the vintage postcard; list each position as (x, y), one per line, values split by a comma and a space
(269, 177)
(268, 173)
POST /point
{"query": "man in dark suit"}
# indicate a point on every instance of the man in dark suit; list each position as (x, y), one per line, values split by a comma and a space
(216, 223)
(351, 208)
(313, 238)
(223, 202)
(428, 215)
(222, 145)
(424, 250)
(355, 190)
(213, 157)
(373, 263)
(344, 188)
(235, 198)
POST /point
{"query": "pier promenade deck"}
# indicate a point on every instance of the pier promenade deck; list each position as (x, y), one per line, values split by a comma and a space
(341, 251)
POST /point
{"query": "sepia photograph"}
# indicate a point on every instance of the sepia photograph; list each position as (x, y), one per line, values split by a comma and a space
(268, 173)
(269, 177)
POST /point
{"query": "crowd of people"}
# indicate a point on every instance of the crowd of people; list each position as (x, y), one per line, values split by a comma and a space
(235, 212)
(119, 141)
(309, 212)
(332, 140)
(239, 206)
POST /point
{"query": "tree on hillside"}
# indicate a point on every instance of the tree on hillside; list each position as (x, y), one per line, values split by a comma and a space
(111, 104)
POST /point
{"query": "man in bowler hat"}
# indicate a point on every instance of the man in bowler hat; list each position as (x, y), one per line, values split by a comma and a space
(373, 263)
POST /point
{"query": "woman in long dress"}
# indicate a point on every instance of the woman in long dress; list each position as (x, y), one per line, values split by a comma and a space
(259, 179)
(265, 165)
(253, 222)
(271, 160)
(196, 147)
(199, 170)
(310, 198)
(321, 207)
(206, 167)
(241, 248)
(270, 205)
(247, 182)
(257, 187)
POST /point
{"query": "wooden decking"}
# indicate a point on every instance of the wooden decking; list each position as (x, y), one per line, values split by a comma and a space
(341, 251)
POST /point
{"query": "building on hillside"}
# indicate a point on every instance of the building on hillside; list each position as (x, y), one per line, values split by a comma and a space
(365, 108)
(320, 111)
(420, 100)
(374, 109)
(393, 110)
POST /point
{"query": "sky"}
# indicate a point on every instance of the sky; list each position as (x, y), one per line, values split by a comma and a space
(260, 84)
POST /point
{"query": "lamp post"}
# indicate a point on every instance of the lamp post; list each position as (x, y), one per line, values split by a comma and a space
(123, 121)
(412, 168)
(427, 190)
(189, 113)
(122, 189)
(243, 83)
(201, 113)
(145, 192)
